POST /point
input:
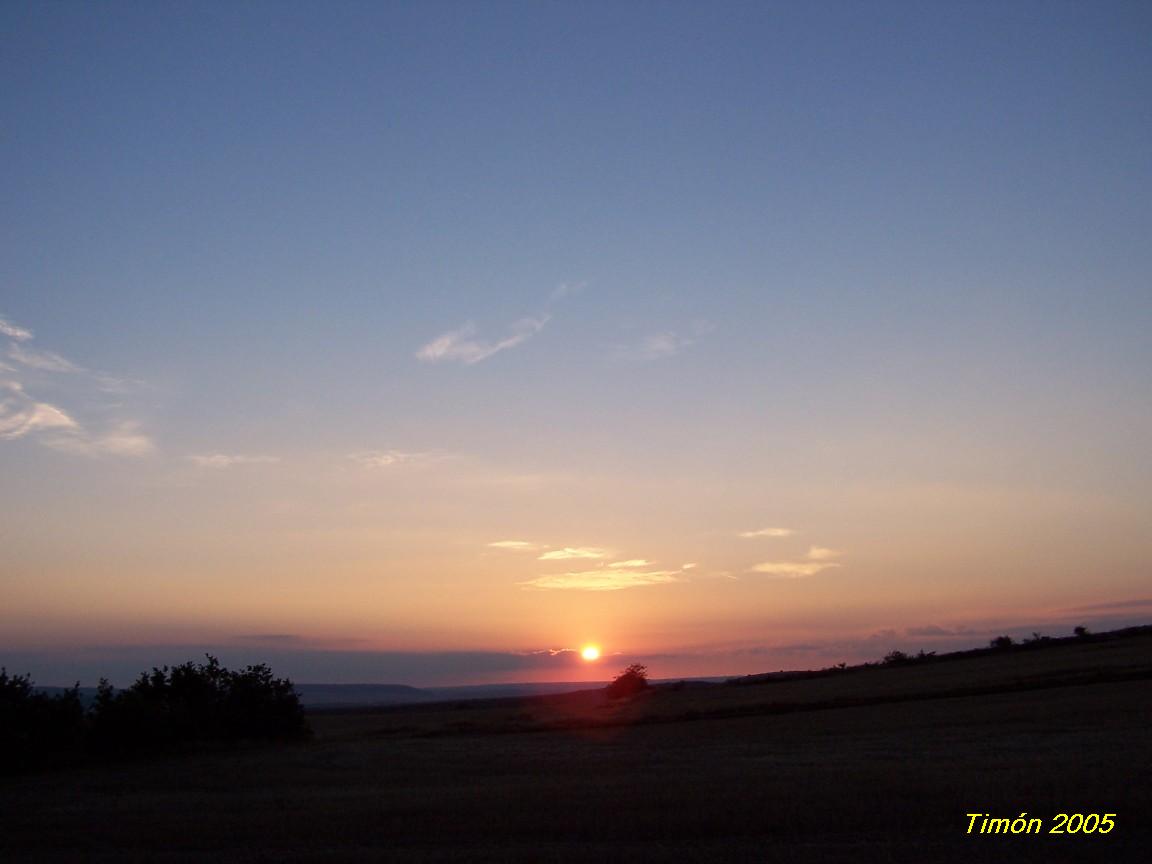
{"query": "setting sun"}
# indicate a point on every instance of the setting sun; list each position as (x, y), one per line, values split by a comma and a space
(590, 652)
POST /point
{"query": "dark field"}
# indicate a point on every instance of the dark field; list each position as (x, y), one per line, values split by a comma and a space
(868, 765)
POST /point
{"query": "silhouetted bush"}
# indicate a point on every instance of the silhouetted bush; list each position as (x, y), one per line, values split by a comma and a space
(1081, 631)
(897, 657)
(1001, 642)
(36, 728)
(631, 681)
(169, 709)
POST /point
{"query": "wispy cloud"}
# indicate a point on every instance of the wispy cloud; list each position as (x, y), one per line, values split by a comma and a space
(12, 331)
(227, 460)
(819, 559)
(792, 569)
(936, 630)
(722, 574)
(548, 652)
(603, 580)
(124, 439)
(821, 553)
(565, 290)
(45, 361)
(632, 562)
(381, 459)
(668, 343)
(767, 532)
(568, 552)
(117, 386)
(516, 545)
(657, 346)
(1119, 604)
(50, 361)
(20, 415)
(461, 346)
(282, 639)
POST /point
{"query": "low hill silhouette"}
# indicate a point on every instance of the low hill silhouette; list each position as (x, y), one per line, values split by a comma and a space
(880, 762)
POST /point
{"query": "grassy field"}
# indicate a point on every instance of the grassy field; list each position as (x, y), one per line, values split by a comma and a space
(876, 764)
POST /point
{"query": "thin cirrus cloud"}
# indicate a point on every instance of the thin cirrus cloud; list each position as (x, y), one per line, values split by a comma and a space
(767, 532)
(819, 560)
(792, 569)
(12, 331)
(1118, 604)
(21, 415)
(821, 553)
(565, 290)
(228, 460)
(668, 343)
(124, 439)
(385, 459)
(516, 545)
(50, 361)
(632, 562)
(582, 552)
(602, 580)
(45, 361)
(462, 346)
(53, 426)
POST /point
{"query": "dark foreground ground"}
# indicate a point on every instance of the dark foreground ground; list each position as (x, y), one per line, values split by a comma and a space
(873, 766)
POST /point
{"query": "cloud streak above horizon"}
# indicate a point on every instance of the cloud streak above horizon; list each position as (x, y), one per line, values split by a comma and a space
(603, 580)
(767, 532)
(22, 415)
(383, 459)
(12, 331)
(460, 346)
(791, 569)
(45, 361)
(516, 545)
(818, 560)
(568, 552)
(228, 460)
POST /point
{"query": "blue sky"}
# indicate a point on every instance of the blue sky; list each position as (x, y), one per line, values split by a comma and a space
(312, 303)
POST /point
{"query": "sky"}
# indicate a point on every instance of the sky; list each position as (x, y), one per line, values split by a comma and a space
(428, 343)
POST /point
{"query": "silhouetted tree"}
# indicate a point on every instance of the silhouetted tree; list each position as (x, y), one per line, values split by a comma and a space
(35, 727)
(169, 709)
(1081, 631)
(894, 658)
(1001, 642)
(631, 681)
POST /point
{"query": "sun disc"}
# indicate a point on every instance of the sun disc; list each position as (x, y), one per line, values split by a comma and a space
(590, 652)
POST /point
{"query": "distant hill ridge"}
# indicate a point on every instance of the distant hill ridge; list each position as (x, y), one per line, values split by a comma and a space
(319, 696)
(349, 695)
(338, 696)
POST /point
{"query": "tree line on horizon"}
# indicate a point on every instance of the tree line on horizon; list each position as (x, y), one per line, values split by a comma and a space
(999, 643)
(165, 710)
